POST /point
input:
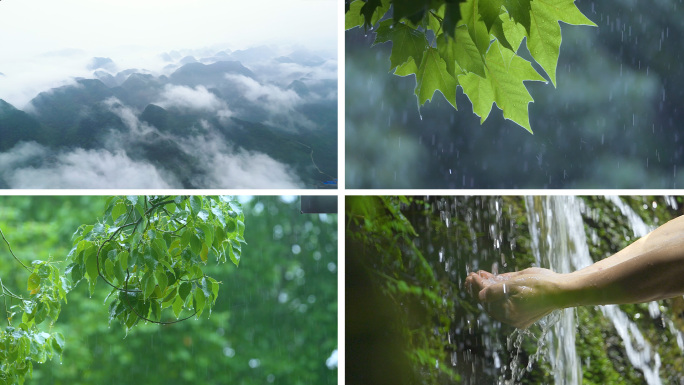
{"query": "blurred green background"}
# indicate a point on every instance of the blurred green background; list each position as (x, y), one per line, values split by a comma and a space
(613, 122)
(275, 320)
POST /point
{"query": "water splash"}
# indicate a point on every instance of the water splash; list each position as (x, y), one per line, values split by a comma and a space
(514, 344)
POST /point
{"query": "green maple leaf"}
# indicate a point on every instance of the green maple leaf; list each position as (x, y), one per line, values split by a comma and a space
(503, 85)
(368, 10)
(519, 11)
(452, 15)
(545, 33)
(432, 76)
(466, 52)
(406, 69)
(353, 17)
(365, 13)
(489, 10)
(478, 30)
(513, 32)
(407, 43)
(412, 10)
(449, 50)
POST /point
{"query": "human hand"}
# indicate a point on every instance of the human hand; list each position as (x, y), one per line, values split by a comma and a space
(519, 298)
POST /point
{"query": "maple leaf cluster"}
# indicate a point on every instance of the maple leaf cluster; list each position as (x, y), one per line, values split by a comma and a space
(470, 43)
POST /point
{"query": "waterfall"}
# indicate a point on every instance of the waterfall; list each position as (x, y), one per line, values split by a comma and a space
(557, 238)
(559, 243)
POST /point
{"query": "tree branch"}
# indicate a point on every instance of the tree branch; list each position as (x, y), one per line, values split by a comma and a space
(11, 252)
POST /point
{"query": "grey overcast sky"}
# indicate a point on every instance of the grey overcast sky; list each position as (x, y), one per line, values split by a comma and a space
(130, 30)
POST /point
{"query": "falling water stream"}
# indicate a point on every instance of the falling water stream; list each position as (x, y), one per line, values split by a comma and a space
(559, 243)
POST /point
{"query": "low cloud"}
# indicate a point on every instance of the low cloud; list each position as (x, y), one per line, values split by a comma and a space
(35, 166)
(238, 169)
(187, 98)
(128, 117)
(274, 98)
(280, 103)
(31, 165)
(246, 170)
(285, 73)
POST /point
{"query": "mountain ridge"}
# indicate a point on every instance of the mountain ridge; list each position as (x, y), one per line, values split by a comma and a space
(159, 118)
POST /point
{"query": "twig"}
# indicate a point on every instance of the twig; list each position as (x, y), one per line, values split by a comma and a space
(11, 252)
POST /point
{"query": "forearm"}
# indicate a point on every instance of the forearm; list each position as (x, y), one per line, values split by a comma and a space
(649, 269)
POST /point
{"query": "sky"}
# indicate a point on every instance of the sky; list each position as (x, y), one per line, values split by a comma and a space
(48, 25)
(42, 41)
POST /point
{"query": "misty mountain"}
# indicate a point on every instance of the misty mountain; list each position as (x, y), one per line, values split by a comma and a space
(207, 123)
(104, 63)
(17, 126)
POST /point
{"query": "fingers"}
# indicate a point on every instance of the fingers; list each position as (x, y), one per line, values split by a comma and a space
(475, 282)
(471, 284)
(487, 287)
(485, 274)
(494, 292)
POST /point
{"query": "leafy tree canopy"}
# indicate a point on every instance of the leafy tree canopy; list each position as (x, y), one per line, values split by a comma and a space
(470, 43)
(150, 250)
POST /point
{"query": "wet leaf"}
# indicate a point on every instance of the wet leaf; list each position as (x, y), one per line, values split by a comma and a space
(149, 283)
(160, 275)
(184, 290)
(177, 306)
(118, 210)
(432, 76)
(503, 85)
(199, 301)
(34, 283)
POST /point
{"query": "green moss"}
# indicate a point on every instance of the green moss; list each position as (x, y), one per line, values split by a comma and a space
(592, 348)
(611, 234)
